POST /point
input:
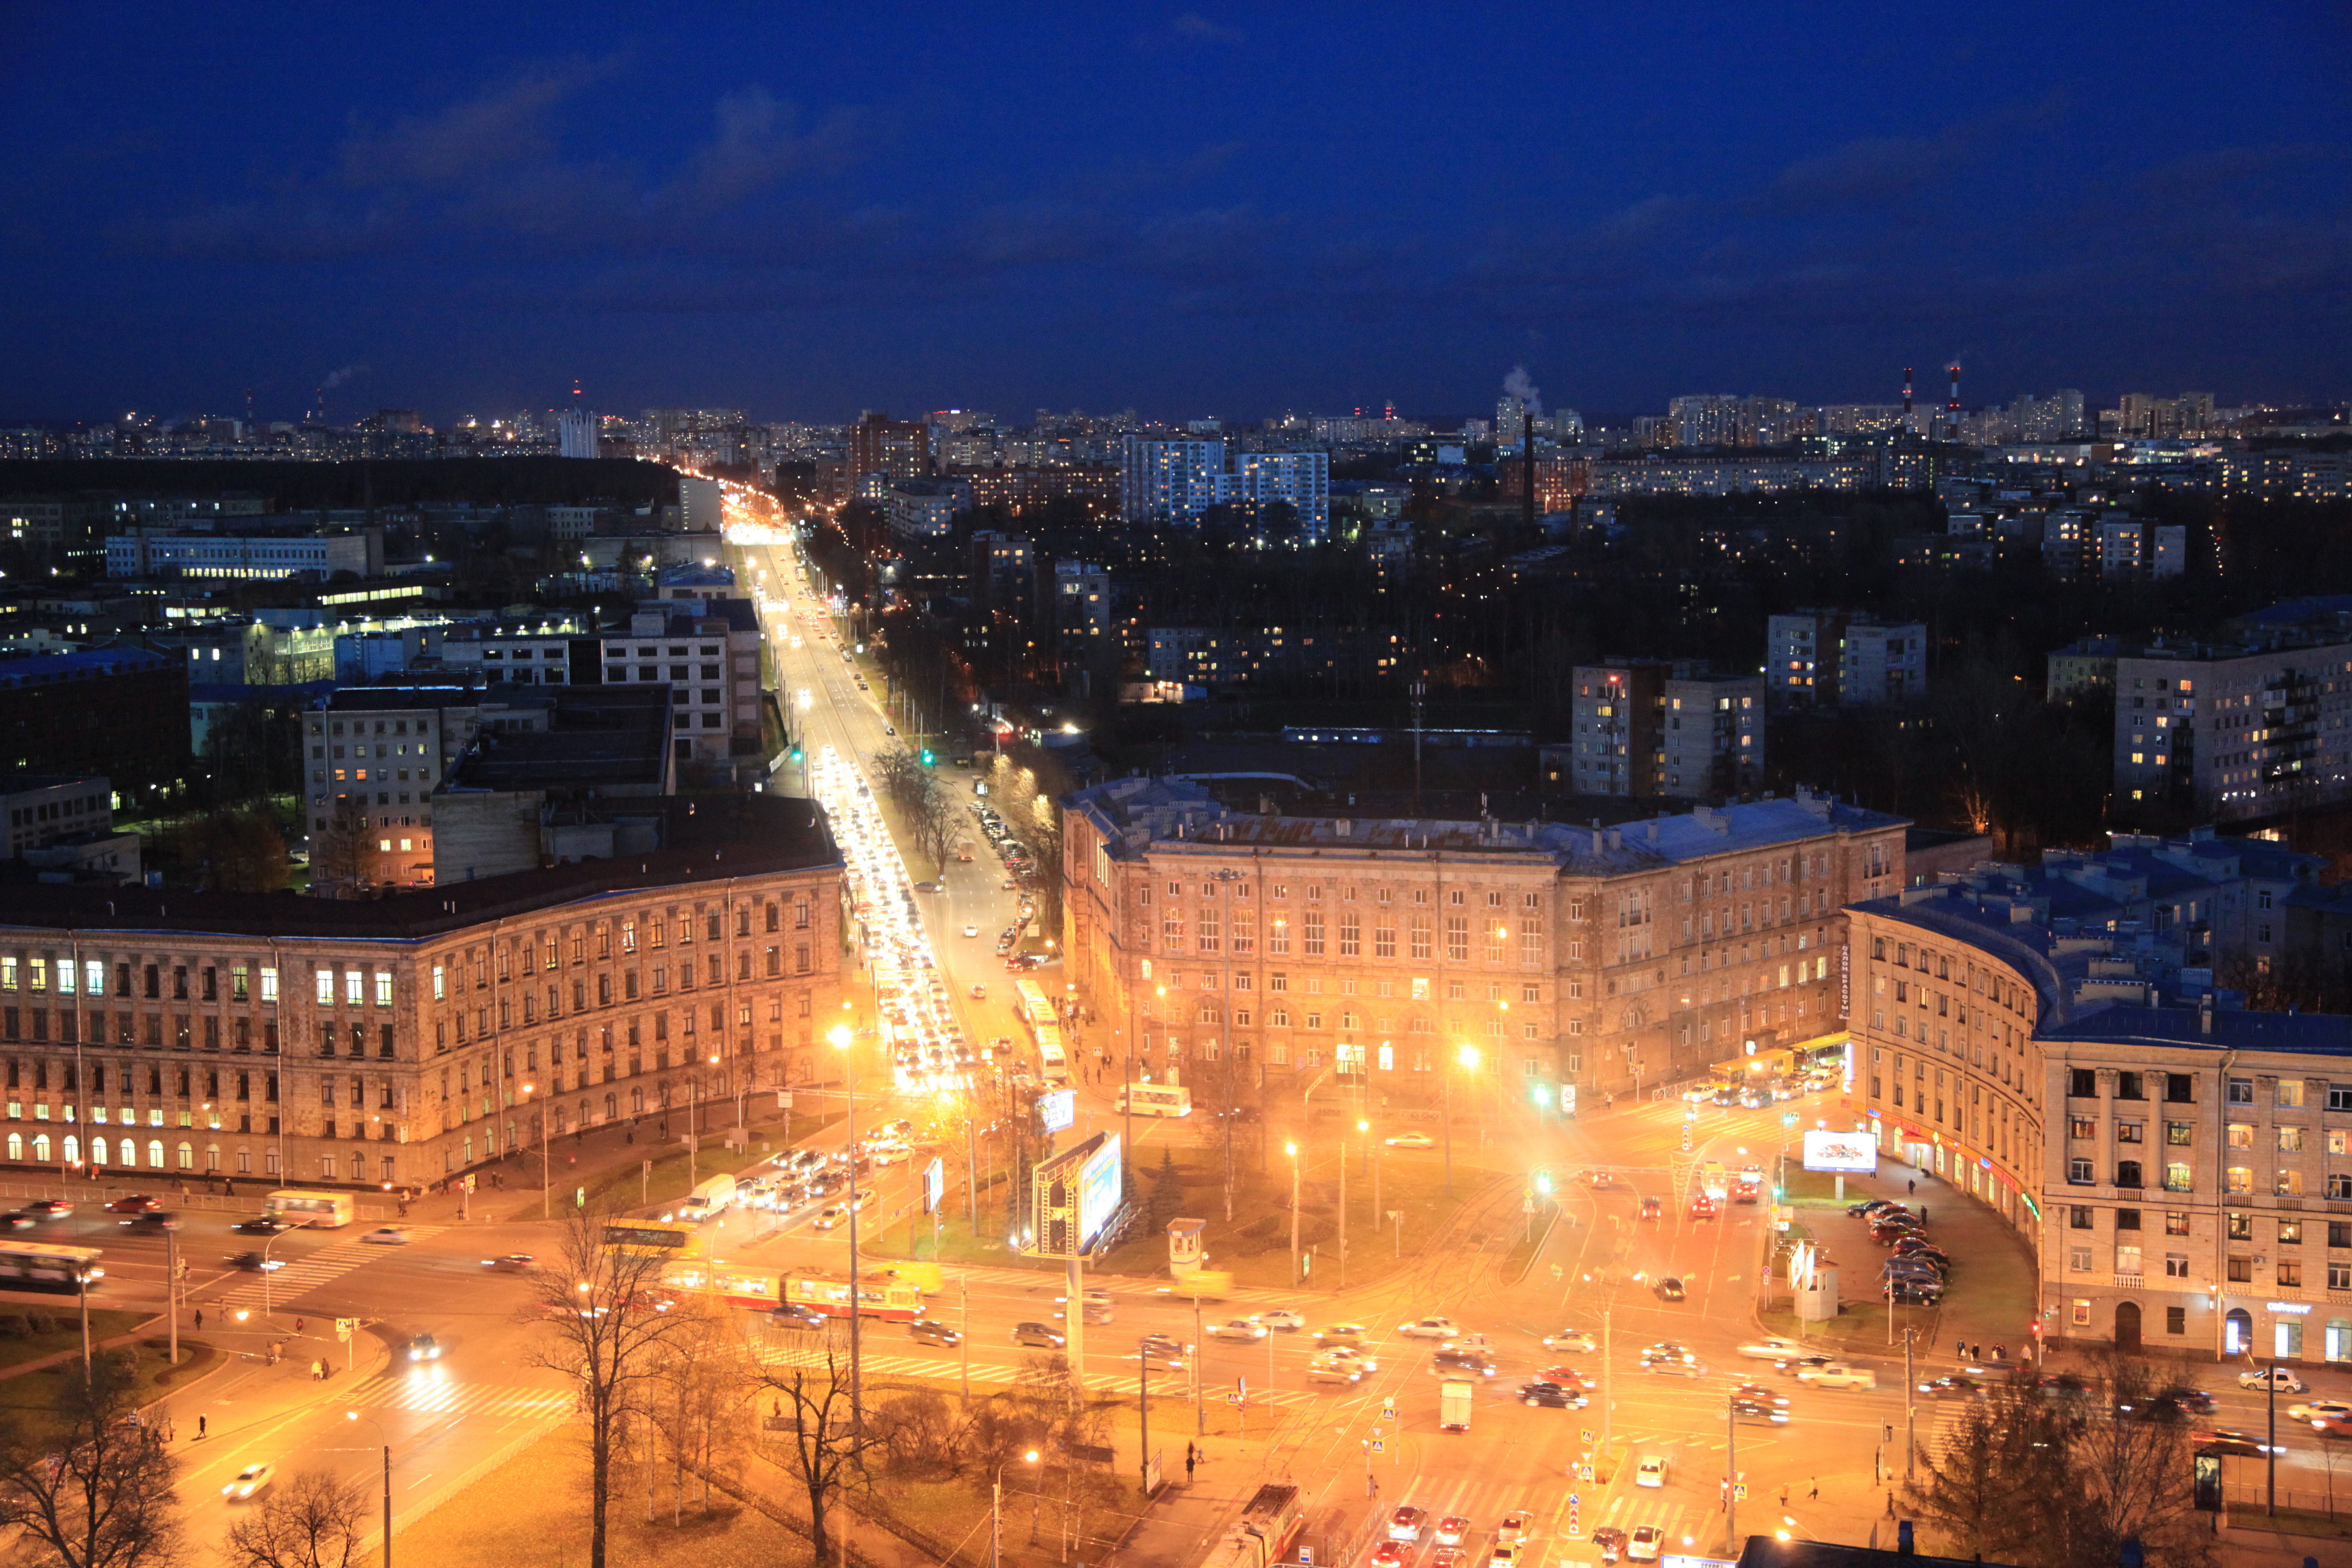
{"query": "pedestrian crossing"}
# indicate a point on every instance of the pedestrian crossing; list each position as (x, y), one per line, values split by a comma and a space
(1024, 1277)
(429, 1395)
(314, 1270)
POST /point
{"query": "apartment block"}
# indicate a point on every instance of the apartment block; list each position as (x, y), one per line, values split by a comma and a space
(707, 652)
(2176, 1169)
(1176, 481)
(396, 1041)
(373, 756)
(926, 508)
(1657, 728)
(2230, 732)
(1824, 658)
(1574, 963)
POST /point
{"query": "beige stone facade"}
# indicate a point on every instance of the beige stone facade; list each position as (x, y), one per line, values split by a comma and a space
(1576, 961)
(404, 1039)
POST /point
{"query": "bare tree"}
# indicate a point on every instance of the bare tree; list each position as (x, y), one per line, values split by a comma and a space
(824, 1450)
(933, 822)
(313, 1522)
(341, 857)
(695, 1395)
(607, 1323)
(91, 1490)
(2130, 1479)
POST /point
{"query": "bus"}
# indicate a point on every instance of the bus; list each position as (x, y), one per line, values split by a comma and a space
(879, 1296)
(1029, 1001)
(1156, 1099)
(761, 1290)
(1713, 1182)
(321, 1211)
(653, 1238)
(39, 1266)
(1053, 1061)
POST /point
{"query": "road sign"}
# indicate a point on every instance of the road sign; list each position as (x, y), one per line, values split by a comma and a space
(1387, 1408)
(1379, 1446)
(345, 1327)
(1584, 1472)
(1238, 1398)
(1588, 1436)
(1739, 1492)
(1575, 1527)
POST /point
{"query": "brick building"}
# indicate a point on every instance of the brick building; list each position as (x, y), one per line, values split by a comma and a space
(1577, 962)
(122, 712)
(406, 1038)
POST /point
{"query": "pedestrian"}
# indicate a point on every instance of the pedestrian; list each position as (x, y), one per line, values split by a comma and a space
(297, 1325)
(1784, 1498)
(200, 1320)
(1923, 1213)
(1890, 1504)
(200, 1428)
(1817, 1489)
(1911, 1186)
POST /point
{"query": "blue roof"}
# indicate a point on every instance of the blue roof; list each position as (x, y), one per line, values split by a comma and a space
(42, 669)
(2233, 1029)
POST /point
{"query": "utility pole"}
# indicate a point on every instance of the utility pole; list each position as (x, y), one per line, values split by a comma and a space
(1143, 1414)
(1910, 1412)
(1292, 1150)
(1731, 1478)
(1420, 689)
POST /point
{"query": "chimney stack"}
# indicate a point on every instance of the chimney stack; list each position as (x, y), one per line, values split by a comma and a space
(1528, 464)
(1953, 407)
(1907, 395)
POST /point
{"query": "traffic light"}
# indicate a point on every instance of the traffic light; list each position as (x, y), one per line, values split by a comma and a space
(927, 758)
(1543, 1182)
(796, 753)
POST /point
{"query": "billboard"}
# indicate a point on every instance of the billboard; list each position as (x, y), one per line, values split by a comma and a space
(1058, 1111)
(935, 1181)
(1854, 1154)
(1075, 1192)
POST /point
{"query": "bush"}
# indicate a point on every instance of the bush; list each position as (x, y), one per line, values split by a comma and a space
(42, 1323)
(14, 1326)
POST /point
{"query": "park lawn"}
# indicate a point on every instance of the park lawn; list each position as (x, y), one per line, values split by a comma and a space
(156, 1378)
(105, 1323)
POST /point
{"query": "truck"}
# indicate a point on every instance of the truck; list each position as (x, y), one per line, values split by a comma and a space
(1713, 1182)
(709, 1200)
(1453, 1405)
(1203, 1285)
(1264, 1532)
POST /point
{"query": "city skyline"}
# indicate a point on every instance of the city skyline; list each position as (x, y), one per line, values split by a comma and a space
(1268, 213)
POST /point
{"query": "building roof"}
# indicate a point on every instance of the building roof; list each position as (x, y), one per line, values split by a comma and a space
(19, 783)
(597, 737)
(706, 842)
(2227, 1030)
(1176, 814)
(1767, 1552)
(405, 699)
(89, 664)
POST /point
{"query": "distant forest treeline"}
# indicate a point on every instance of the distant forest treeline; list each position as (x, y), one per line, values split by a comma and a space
(294, 485)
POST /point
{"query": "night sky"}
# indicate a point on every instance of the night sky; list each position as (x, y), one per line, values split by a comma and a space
(807, 210)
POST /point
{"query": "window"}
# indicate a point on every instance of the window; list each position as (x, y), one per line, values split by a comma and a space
(2082, 1127)
(2241, 1270)
(2175, 1320)
(2290, 1274)
(2128, 1174)
(2082, 1083)
(2079, 1172)
(2242, 1092)
(2290, 1233)
(2078, 1258)
(2290, 1140)
(2176, 1265)
(2175, 1224)
(2242, 1226)
(2339, 1097)
(2078, 1217)
(2179, 1134)
(2179, 1088)
(2290, 1093)
(2128, 1086)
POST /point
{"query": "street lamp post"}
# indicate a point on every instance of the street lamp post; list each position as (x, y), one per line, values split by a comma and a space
(996, 1506)
(1468, 1055)
(842, 1038)
(386, 1554)
(1291, 1149)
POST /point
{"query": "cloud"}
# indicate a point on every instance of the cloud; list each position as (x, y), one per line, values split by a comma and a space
(494, 130)
(1869, 172)
(1200, 30)
(755, 147)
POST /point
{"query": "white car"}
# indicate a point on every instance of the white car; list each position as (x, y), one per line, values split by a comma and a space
(1238, 1329)
(387, 1236)
(1430, 1329)
(1476, 1344)
(1651, 1473)
(2277, 1377)
(1838, 1374)
(1648, 1541)
(2321, 1410)
(250, 1480)
(1513, 1529)
(1572, 1340)
(1284, 1319)
(972, 930)
(1412, 1140)
(1771, 1347)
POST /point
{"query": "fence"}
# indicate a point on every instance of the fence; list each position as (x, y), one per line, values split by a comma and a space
(2248, 1505)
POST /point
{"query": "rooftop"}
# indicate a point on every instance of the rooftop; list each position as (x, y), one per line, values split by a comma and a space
(89, 664)
(2227, 1029)
(1164, 813)
(596, 736)
(706, 841)
(405, 699)
(19, 783)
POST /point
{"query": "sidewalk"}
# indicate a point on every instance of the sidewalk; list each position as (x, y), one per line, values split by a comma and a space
(1990, 1303)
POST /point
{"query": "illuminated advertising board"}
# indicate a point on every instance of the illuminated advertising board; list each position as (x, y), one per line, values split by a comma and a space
(1851, 1154)
(1058, 1112)
(1076, 1191)
(935, 1182)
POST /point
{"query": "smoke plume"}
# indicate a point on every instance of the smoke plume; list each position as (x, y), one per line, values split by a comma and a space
(1518, 384)
(337, 377)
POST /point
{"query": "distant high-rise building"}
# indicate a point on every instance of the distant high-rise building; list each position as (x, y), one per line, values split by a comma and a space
(1824, 658)
(1728, 421)
(576, 433)
(1176, 481)
(893, 448)
(1510, 423)
(1653, 727)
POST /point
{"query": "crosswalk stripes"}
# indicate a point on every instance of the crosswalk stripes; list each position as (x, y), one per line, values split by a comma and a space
(927, 1367)
(309, 1273)
(431, 1397)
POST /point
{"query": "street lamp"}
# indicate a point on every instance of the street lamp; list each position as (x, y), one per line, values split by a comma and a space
(1291, 1149)
(996, 1506)
(1468, 1057)
(841, 1038)
(355, 1416)
(546, 1181)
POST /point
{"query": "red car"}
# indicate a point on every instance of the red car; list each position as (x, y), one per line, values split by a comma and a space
(137, 1203)
(1566, 1376)
(1702, 1206)
(1391, 1554)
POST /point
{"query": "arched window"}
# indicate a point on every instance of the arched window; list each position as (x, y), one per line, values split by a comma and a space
(40, 1148)
(1388, 1058)
(98, 1151)
(16, 1146)
(612, 1106)
(212, 1157)
(187, 1156)
(2338, 1344)
(2237, 1332)
(73, 1149)
(154, 1153)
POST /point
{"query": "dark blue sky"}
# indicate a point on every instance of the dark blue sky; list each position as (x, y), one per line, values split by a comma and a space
(807, 210)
